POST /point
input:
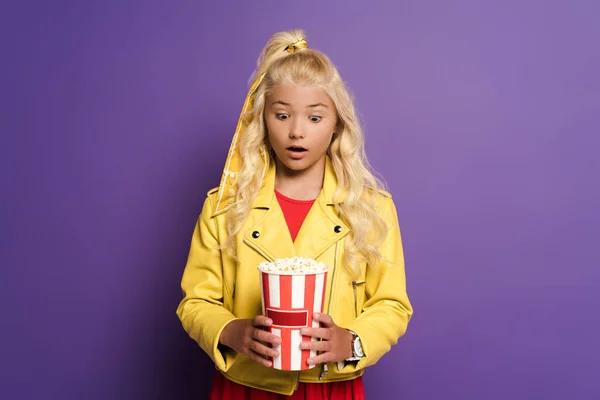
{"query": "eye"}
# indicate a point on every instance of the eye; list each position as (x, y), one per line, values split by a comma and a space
(282, 116)
(315, 118)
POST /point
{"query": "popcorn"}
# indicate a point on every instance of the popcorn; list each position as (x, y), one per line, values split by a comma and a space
(292, 266)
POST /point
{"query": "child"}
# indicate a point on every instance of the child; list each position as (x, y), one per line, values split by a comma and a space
(296, 183)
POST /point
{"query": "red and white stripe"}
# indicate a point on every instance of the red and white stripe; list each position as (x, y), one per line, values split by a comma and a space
(290, 301)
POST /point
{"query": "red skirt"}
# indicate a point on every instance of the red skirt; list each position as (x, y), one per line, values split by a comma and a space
(224, 389)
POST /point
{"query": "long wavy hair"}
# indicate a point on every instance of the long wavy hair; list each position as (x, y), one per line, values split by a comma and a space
(356, 182)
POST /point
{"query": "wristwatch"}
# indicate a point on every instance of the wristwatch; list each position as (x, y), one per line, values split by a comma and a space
(357, 350)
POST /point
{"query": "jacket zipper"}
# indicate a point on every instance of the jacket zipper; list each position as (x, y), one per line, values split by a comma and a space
(355, 301)
(333, 278)
(325, 368)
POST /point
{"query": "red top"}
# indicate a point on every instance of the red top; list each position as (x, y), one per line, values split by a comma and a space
(294, 212)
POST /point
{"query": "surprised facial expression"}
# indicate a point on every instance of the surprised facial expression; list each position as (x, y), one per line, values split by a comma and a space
(301, 121)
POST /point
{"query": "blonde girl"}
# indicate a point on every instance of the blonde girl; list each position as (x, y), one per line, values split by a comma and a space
(296, 183)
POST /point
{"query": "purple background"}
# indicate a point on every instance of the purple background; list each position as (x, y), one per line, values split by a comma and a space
(116, 117)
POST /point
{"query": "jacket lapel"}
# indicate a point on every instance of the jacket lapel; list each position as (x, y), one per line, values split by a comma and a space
(321, 228)
(269, 235)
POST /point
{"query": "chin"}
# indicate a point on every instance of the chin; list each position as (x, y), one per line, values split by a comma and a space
(297, 165)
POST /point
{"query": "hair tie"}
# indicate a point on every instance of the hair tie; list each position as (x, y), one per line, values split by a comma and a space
(297, 45)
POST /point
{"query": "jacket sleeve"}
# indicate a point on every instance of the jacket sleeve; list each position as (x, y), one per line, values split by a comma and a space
(201, 311)
(387, 309)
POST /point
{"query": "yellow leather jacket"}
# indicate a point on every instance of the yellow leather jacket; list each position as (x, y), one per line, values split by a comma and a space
(217, 290)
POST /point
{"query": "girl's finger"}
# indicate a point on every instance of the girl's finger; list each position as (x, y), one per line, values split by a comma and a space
(261, 320)
(266, 337)
(321, 358)
(325, 319)
(263, 350)
(319, 346)
(258, 358)
(320, 333)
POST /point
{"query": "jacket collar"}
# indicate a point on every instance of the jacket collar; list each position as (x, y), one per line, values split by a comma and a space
(321, 228)
(266, 195)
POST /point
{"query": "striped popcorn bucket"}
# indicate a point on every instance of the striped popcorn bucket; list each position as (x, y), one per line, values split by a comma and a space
(289, 300)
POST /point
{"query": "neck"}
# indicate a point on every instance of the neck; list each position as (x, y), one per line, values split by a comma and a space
(300, 185)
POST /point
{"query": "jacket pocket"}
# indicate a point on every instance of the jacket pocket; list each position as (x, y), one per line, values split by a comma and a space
(358, 291)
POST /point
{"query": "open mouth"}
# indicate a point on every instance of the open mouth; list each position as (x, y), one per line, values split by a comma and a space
(297, 149)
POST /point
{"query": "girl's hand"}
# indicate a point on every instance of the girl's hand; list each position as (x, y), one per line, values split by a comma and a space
(336, 344)
(247, 336)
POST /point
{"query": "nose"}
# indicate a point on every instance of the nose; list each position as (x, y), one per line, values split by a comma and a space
(296, 130)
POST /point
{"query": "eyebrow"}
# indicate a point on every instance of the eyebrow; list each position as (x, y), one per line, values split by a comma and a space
(283, 103)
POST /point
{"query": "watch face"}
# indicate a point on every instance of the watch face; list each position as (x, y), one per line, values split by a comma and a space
(358, 351)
